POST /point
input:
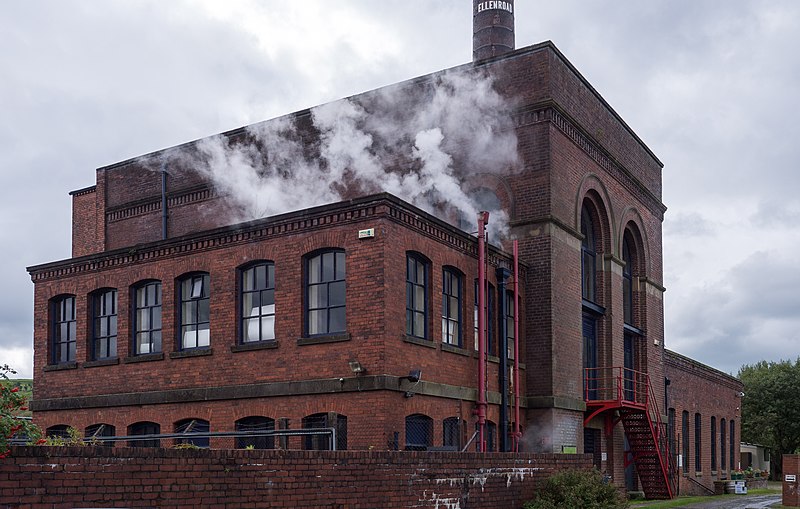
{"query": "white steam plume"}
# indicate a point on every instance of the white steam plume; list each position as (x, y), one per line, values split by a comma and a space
(419, 142)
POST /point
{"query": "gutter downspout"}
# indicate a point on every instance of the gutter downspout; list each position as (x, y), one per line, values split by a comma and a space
(517, 433)
(164, 201)
(483, 218)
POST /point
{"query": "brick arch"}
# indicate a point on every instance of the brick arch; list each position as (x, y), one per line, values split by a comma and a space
(593, 191)
(631, 221)
(498, 185)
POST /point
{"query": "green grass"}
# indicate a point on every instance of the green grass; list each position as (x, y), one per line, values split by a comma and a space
(684, 501)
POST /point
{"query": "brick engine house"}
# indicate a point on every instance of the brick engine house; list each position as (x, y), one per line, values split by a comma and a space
(384, 316)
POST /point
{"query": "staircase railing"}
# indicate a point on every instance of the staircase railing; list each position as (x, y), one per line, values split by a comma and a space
(619, 387)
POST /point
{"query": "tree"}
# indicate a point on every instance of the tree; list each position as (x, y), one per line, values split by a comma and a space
(11, 403)
(770, 413)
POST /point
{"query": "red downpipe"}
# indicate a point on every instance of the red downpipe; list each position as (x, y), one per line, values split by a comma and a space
(483, 218)
(517, 433)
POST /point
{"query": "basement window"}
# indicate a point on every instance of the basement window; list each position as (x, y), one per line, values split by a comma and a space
(419, 432)
(191, 427)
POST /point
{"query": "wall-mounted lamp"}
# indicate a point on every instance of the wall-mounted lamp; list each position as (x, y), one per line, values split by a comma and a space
(414, 376)
(357, 368)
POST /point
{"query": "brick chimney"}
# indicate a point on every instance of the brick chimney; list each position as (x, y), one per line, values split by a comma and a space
(492, 28)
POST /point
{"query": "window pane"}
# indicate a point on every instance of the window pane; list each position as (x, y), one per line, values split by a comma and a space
(337, 320)
(314, 269)
(317, 296)
(317, 321)
(189, 312)
(248, 279)
(270, 276)
(142, 343)
(203, 335)
(340, 266)
(409, 322)
(251, 330)
(250, 304)
(189, 334)
(419, 325)
(268, 327)
(261, 277)
(328, 261)
(419, 298)
(337, 293)
(156, 318)
(204, 310)
(267, 297)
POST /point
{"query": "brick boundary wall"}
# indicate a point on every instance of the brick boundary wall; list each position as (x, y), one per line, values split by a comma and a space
(72, 477)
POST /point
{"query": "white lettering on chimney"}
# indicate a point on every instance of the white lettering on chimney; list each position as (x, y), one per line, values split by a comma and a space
(506, 6)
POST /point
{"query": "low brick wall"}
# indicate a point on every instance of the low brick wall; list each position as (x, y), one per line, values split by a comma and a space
(67, 477)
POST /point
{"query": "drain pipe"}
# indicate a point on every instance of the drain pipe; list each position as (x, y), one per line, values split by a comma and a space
(483, 218)
(164, 201)
(517, 433)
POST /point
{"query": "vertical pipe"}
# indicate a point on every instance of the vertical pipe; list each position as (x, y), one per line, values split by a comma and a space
(517, 433)
(502, 352)
(164, 201)
(483, 218)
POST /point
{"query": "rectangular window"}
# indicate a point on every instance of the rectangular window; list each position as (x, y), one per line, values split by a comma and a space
(64, 332)
(732, 455)
(325, 293)
(671, 432)
(698, 442)
(104, 330)
(147, 318)
(258, 303)
(451, 307)
(416, 297)
(195, 312)
(722, 443)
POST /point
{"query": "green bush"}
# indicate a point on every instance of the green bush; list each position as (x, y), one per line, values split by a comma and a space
(579, 489)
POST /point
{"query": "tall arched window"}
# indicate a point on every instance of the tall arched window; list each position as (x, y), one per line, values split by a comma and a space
(147, 318)
(258, 303)
(451, 306)
(325, 293)
(722, 444)
(627, 280)
(104, 323)
(417, 296)
(713, 429)
(63, 329)
(195, 311)
(588, 256)
(419, 432)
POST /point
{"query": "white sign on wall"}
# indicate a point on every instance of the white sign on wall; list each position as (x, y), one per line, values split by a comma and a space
(790, 478)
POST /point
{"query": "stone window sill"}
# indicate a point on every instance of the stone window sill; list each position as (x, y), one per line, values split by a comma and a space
(255, 345)
(145, 357)
(319, 340)
(418, 341)
(194, 352)
(62, 366)
(111, 361)
(445, 347)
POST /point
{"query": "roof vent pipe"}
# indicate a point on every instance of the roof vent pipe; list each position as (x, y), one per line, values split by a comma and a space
(492, 28)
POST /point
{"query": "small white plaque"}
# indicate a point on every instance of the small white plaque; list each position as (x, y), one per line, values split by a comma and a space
(366, 234)
(604, 456)
(790, 478)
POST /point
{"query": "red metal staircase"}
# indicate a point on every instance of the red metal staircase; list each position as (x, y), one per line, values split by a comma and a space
(627, 395)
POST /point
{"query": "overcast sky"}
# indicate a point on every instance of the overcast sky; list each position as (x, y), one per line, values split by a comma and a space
(710, 86)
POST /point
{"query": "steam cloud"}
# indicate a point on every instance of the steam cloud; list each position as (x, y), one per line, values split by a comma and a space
(420, 143)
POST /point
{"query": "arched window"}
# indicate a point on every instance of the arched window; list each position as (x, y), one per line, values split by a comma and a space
(63, 332)
(417, 295)
(147, 318)
(713, 442)
(419, 432)
(722, 444)
(144, 428)
(685, 440)
(58, 431)
(451, 306)
(191, 427)
(194, 295)
(255, 424)
(322, 441)
(96, 432)
(732, 455)
(258, 303)
(104, 323)
(627, 280)
(325, 293)
(588, 256)
(698, 442)
(452, 433)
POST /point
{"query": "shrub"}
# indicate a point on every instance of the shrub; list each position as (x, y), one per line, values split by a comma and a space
(12, 402)
(585, 489)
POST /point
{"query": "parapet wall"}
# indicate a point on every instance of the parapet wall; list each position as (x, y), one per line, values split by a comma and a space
(66, 477)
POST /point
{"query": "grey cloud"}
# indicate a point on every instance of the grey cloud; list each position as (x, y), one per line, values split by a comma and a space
(690, 224)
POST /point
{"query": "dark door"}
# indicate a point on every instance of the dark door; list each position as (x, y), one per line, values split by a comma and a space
(630, 356)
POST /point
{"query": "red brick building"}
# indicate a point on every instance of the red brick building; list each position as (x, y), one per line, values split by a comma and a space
(361, 315)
